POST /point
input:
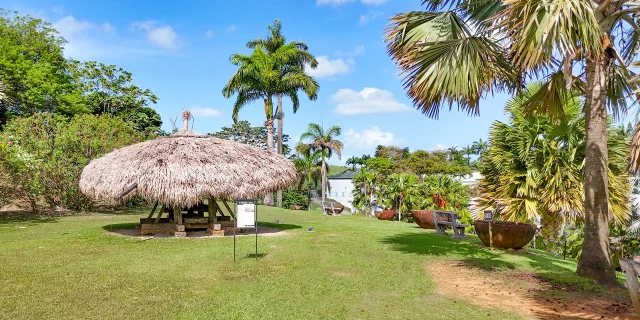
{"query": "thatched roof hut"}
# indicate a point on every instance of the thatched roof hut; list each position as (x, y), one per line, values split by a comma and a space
(185, 168)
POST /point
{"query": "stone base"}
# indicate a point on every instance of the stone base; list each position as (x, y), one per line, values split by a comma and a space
(180, 234)
(216, 233)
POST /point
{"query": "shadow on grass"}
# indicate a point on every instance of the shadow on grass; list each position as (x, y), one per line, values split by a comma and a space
(281, 226)
(256, 256)
(25, 217)
(117, 226)
(127, 211)
(439, 245)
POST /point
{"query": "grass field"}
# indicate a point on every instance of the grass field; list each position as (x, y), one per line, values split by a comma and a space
(349, 268)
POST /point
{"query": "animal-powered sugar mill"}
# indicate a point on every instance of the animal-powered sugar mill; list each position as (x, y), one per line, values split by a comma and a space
(188, 176)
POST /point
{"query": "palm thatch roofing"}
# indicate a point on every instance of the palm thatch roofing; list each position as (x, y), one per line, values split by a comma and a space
(185, 168)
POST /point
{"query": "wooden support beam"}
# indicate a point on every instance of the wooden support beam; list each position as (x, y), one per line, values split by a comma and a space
(228, 208)
(127, 190)
(212, 210)
(160, 213)
(155, 206)
(177, 215)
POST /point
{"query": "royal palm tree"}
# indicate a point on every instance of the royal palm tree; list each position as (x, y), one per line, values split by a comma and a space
(323, 141)
(260, 77)
(353, 161)
(302, 58)
(309, 167)
(459, 50)
(535, 167)
(479, 147)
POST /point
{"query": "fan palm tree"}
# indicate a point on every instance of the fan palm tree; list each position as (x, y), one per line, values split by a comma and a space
(401, 192)
(535, 167)
(323, 141)
(302, 58)
(459, 50)
(260, 77)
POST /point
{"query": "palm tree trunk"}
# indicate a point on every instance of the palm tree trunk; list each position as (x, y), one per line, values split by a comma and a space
(268, 198)
(279, 116)
(595, 261)
(324, 179)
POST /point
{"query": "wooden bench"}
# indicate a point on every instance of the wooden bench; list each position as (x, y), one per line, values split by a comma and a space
(452, 221)
(330, 208)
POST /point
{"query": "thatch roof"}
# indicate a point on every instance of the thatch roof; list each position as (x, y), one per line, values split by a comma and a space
(184, 168)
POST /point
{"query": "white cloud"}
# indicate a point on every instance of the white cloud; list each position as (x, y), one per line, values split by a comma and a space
(68, 27)
(232, 28)
(341, 2)
(358, 51)
(205, 112)
(209, 33)
(365, 18)
(163, 36)
(327, 68)
(58, 9)
(368, 100)
(440, 146)
(108, 28)
(368, 138)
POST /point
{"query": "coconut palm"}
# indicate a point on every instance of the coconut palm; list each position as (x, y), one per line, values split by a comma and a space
(364, 186)
(353, 161)
(459, 50)
(535, 167)
(260, 76)
(323, 141)
(401, 192)
(309, 167)
(271, 44)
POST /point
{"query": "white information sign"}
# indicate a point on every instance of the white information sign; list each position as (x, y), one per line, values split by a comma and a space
(245, 214)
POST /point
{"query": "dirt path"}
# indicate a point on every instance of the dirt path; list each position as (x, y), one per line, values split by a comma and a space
(525, 293)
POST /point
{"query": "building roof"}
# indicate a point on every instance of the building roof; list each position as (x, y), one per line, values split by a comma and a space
(347, 174)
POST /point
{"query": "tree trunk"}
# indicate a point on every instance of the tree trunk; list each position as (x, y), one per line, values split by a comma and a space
(268, 198)
(323, 171)
(595, 261)
(280, 151)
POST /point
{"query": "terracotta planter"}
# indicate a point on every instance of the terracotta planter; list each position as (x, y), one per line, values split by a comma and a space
(506, 234)
(424, 218)
(294, 207)
(386, 215)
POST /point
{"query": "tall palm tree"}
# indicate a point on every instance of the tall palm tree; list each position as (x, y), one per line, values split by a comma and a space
(271, 44)
(260, 76)
(469, 150)
(459, 50)
(479, 147)
(323, 141)
(353, 161)
(536, 167)
(309, 167)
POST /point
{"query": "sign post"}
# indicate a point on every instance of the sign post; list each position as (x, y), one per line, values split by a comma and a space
(488, 216)
(246, 216)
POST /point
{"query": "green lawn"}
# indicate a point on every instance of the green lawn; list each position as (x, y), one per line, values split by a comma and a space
(349, 268)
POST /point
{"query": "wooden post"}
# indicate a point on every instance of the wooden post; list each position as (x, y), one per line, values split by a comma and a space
(490, 235)
(160, 213)
(177, 216)
(213, 218)
(155, 206)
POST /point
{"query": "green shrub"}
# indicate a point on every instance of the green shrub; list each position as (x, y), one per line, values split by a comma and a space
(43, 155)
(292, 197)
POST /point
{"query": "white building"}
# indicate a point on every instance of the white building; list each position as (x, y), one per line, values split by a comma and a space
(341, 188)
(471, 179)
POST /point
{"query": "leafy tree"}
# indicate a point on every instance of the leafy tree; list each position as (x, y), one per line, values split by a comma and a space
(43, 155)
(497, 45)
(310, 167)
(536, 167)
(243, 132)
(382, 167)
(33, 69)
(324, 142)
(107, 89)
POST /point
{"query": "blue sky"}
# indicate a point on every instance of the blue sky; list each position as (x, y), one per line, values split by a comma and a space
(180, 50)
